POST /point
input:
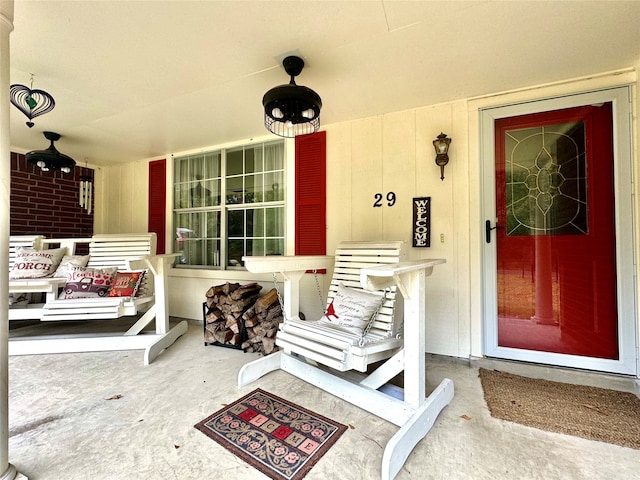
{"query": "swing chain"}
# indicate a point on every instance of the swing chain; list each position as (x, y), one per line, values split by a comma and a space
(284, 312)
(315, 277)
(400, 331)
(275, 285)
(362, 342)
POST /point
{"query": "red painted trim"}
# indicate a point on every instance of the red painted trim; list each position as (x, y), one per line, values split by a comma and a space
(311, 195)
(158, 201)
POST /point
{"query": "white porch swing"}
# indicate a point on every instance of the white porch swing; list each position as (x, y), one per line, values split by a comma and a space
(308, 348)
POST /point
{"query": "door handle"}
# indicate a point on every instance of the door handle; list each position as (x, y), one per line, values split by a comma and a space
(488, 228)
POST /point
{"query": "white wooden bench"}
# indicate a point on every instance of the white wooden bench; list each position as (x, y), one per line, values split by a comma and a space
(409, 408)
(127, 252)
(49, 287)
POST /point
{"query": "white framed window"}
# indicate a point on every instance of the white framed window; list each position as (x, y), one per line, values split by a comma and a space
(228, 203)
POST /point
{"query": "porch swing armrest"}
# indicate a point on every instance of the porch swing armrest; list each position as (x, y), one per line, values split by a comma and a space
(385, 276)
(292, 268)
(287, 263)
(152, 262)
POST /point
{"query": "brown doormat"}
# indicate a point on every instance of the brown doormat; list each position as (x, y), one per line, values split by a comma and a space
(588, 412)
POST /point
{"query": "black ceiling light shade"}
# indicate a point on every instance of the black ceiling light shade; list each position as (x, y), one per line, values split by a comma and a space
(291, 110)
(51, 159)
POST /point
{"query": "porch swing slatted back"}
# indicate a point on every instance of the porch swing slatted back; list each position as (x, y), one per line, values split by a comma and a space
(340, 349)
(350, 258)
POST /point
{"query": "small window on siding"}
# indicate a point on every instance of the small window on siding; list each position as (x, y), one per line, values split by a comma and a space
(229, 203)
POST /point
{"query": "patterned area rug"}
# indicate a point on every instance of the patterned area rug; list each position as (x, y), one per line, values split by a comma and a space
(278, 438)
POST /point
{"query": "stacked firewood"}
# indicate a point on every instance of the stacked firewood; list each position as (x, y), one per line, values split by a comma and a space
(236, 316)
(261, 322)
(226, 304)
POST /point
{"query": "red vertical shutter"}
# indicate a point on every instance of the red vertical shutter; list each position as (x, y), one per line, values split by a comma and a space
(311, 236)
(157, 201)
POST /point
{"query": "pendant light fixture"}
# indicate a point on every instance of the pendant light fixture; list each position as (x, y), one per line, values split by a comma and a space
(290, 109)
(50, 158)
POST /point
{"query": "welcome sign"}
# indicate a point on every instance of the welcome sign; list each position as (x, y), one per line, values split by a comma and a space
(422, 222)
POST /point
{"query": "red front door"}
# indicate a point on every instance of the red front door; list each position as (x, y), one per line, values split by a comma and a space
(556, 259)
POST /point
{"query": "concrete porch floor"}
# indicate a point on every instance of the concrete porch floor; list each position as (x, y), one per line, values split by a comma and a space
(63, 427)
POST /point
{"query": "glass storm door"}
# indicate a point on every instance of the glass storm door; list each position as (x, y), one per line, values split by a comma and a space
(556, 255)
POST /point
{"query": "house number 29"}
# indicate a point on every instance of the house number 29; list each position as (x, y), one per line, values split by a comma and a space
(391, 199)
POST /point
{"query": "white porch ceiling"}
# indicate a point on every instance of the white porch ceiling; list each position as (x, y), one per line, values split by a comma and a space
(140, 79)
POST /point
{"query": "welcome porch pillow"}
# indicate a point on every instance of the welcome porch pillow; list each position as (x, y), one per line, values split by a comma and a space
(30, 263)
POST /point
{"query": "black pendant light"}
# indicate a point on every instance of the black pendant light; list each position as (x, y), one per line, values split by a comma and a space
(291, 110)
(51, 159)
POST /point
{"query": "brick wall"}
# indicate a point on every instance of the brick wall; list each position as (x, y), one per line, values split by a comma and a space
(47, 203)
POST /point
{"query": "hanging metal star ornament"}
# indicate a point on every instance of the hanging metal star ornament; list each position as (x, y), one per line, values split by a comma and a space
(31, 102)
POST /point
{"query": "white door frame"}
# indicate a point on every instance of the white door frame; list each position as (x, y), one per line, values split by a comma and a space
(622, 148)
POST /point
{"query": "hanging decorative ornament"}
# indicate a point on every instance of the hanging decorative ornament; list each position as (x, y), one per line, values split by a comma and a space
(86, 191)
(86, 188)
(32, 103)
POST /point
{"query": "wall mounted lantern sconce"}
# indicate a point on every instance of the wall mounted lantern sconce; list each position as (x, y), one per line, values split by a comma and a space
(291, 109)
(441, 144)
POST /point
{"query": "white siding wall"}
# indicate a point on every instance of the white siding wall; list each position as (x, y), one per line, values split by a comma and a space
(394, 153)
(121, 198)
(377, 155)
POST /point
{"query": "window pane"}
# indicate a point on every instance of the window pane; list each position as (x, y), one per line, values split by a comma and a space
(196, 166)
(249, 161)
(181, 169)
(274, 187)
(212, 165)
(213, 253)
(235, 190)
(235, 223)
(181, 196)
(213, 224)
(258, 159)
(274, 220)
(255, 222)
(274, 156)
(253, 187)
(187, 238)
(197, 237)
(212, 188)
(234, 162)
(200, 196)
(255, 247)
(236, 251)
(274, 247)
(546, 184)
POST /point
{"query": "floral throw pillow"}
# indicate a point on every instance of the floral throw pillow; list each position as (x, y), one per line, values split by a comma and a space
(126, 284)
(69, 261)
(352, 308)
(83, 282)
(30, 263)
